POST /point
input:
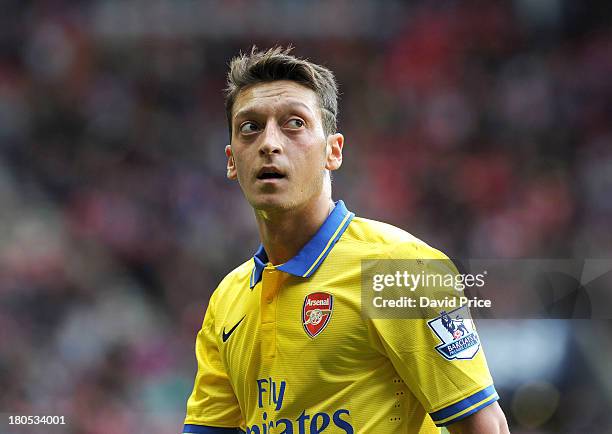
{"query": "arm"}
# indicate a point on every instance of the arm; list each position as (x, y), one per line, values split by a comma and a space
(489, 420)
(447, 375)
(213, 406)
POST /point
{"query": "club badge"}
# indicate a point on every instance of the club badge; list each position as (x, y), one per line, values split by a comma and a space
(456, 331)
(316, 312)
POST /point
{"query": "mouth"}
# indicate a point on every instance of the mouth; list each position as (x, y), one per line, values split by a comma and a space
(270, 173)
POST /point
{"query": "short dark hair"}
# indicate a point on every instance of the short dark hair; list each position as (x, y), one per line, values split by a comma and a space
(277, 64)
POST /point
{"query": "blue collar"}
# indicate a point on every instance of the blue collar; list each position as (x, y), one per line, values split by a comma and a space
(314, 252)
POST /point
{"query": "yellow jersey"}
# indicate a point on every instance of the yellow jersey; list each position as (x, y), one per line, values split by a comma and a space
(286, 349)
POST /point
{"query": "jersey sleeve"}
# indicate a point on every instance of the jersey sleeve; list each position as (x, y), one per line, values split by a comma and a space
(447, 372)
(212, 402)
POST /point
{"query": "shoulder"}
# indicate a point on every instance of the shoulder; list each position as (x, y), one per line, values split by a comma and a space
(232, 285)
(381, 239)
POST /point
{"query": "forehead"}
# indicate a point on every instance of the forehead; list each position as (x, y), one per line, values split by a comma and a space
(273, 95)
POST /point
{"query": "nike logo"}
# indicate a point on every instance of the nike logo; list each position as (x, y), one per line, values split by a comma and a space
(225, 336)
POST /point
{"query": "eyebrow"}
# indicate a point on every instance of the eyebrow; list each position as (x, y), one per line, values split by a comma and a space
(251, 111)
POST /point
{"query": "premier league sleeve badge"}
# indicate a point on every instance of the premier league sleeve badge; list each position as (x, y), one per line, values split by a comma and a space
(457, 332)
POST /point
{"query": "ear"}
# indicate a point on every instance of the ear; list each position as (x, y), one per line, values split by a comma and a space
(335, 143)
(231, 164)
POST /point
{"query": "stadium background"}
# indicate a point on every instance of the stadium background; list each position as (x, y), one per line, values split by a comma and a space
(482, 127)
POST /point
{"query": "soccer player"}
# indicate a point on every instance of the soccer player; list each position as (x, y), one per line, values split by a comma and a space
(283, 347)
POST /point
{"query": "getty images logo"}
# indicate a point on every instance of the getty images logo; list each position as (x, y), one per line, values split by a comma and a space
(271, 394)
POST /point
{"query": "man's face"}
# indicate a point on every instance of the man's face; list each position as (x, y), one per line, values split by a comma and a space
(279, 151)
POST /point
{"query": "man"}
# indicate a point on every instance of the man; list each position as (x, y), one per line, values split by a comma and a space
(283, 347)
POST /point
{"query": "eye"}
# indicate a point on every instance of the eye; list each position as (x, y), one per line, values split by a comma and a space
(295, 123)
(248, 128)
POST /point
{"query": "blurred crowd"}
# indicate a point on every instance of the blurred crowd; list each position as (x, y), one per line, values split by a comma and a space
(483, 128)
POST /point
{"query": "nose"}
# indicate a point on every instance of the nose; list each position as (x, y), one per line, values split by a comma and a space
(271, 142)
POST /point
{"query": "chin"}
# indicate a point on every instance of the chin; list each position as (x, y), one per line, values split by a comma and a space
(271, 203)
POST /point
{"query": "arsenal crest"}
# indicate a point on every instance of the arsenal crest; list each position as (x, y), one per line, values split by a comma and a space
(316, 312)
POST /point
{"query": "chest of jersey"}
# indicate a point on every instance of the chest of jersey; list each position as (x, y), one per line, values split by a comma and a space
(295, 328)
(302, 355)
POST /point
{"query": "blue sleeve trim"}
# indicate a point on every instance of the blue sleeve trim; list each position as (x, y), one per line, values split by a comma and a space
(469, 413)
(201, 429)
(465, 407)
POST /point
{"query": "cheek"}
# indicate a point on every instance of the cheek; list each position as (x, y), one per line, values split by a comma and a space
(242, 161)
(308, 165)
(315, 154)
(312, 168)
(241, 169)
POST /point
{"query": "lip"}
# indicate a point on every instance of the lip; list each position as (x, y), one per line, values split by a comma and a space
(270, 181)
(270, 169)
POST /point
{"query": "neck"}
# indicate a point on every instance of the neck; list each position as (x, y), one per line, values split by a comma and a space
(284, 232)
